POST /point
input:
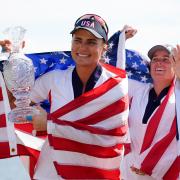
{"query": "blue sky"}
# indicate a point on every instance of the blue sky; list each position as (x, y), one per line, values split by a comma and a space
(48, 23)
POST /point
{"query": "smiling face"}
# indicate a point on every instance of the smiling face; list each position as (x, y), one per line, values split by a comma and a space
(86, 49)
(161, 68)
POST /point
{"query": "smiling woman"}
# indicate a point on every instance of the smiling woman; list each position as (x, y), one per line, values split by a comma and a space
(87, 124)
(86, 51)
(154, 119)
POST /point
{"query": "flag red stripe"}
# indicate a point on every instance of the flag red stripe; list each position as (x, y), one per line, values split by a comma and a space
(33, 155)
(22, 150)
(81, 172)
(1, 95)
(127, 148)
(27, 127)
(4, 150)
(2, 120)
(154, 122)
(157, 150)
(174, 171)
(89, 149)
(115, 70)
(119, 131)
(87, 97)
(106, 112)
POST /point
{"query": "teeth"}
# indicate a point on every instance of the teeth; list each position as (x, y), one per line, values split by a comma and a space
(83, 55)
(159, 69)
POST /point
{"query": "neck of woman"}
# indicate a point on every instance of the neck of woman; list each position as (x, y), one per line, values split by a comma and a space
(84, 73)
(159, 86)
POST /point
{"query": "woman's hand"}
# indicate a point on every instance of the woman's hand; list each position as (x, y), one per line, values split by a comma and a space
(7, 45)
(175, 60)
(129, 31)
(39, 121)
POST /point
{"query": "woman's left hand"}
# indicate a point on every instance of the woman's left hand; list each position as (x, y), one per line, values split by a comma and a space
(175, 60)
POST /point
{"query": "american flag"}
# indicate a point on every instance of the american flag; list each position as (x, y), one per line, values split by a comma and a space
(137, 65)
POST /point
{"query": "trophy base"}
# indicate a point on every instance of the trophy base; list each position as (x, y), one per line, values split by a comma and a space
(19, 115)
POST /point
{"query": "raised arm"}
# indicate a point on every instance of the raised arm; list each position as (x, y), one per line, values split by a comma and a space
(176, 61)
(129, 31)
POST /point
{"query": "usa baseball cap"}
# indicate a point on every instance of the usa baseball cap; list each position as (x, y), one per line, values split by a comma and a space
(94, 24)
(155, 48)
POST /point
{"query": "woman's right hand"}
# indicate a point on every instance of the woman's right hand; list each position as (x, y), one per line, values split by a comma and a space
(6, 45)
(39, 121)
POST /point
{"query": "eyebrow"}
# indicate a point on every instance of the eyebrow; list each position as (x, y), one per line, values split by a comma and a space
(91, 39)
(161, 56)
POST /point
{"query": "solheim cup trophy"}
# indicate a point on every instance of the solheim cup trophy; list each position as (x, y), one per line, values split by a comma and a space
(19, 77)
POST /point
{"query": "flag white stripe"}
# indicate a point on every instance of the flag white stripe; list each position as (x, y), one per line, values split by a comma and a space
(86, 137)
(118, 120)
(29, 140)
(2, 107)
(3, 134)
(170, 155)
(74, 158)
(121, 55)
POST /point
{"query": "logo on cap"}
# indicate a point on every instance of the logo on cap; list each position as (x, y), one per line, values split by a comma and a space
(87, 24)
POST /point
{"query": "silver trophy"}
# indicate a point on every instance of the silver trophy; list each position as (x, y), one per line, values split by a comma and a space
(19, 77)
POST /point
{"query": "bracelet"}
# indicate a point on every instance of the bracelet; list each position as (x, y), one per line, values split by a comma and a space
(29, 118)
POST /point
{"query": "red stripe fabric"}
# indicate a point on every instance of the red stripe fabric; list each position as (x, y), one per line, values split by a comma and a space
(127, 148)
(174, 171)
(119, 131)
(106, 113)
(2, 120)
(157, 151)
(81, 172)
(27, 127)
(1, 95)
(4, 150)
(87, 97)
(154, 122)
(89, 149)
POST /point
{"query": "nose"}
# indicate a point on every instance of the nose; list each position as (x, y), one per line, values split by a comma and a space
(83, 46)
(159, 62)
